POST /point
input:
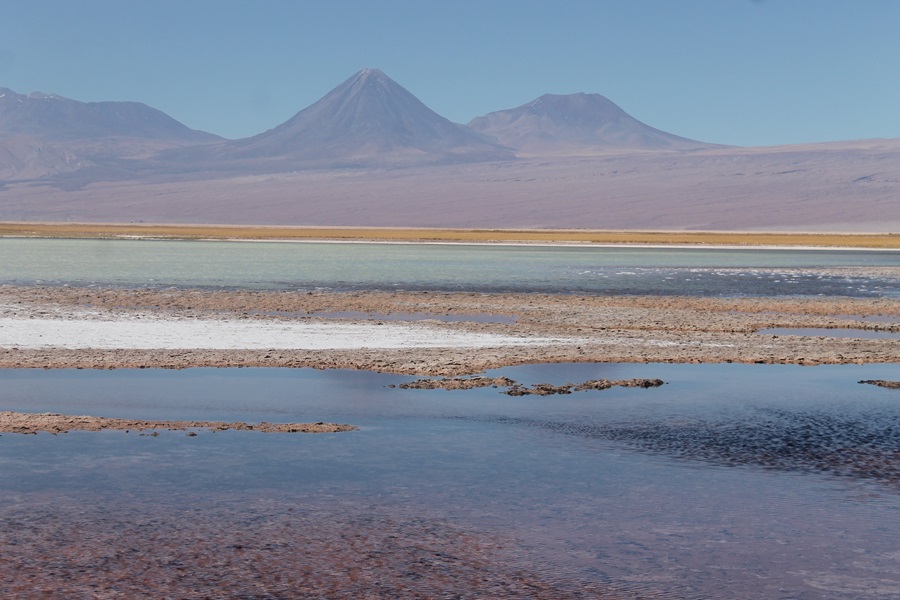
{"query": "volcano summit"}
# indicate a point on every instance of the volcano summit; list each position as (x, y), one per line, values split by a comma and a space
(368, 120)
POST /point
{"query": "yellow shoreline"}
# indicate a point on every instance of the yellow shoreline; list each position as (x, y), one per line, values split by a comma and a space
(415, 234)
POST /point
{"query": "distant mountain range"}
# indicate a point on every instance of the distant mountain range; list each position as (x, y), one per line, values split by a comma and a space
(367, 121)
(370, 153)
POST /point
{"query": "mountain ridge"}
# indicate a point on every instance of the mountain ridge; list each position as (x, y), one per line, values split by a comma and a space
(370, 153)
(55, 117)
(47, 135)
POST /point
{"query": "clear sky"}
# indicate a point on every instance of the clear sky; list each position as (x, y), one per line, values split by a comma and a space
(744, 72)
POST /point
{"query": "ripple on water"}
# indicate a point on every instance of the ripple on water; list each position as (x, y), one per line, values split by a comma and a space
(861, 445)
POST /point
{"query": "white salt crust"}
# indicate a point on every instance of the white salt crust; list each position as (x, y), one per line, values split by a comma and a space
(148, 332)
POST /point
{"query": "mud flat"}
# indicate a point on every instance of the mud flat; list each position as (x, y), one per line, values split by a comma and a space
(236, 329)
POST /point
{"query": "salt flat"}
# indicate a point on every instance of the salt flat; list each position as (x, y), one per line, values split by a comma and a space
(154, 332)
(51, 327)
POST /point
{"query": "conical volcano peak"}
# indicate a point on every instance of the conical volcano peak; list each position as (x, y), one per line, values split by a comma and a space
(371, 74)
(369, 81)
(370, 85)
(370, 77)
(370, 119)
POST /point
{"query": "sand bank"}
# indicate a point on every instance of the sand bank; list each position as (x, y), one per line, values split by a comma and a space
(195, 328)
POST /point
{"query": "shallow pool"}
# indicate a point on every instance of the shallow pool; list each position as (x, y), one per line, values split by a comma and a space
(737, 481)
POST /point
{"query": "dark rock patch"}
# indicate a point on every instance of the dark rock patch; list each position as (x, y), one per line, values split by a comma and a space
(515, 388)
(892, 385)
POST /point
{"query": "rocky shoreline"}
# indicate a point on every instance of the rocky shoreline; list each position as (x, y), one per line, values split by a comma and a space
(588, 328)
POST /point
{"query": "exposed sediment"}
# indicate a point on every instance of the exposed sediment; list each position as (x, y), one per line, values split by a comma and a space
(18, 422)
(585, 329)
(514, 388)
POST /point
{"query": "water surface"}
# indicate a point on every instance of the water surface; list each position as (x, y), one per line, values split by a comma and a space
(730, 481)
(448, 267)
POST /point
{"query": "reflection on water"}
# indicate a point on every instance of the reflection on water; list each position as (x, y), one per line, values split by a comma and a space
(864, 446)
(731, 481)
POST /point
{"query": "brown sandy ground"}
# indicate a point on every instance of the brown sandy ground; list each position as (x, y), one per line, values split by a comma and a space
(424, 234)
(602, 329)
(17, 422)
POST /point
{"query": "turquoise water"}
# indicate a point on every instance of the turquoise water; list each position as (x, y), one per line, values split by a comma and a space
(350, 266)
(730, 481)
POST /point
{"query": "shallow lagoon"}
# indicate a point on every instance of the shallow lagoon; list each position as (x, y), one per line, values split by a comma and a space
(448, 267)
(625, 489)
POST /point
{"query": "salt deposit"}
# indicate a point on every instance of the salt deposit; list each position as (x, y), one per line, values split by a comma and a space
(148, 332)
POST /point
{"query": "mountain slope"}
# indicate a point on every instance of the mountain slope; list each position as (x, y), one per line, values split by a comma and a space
(368, 120)
(575, 124)
(53, 117)
(45, 135)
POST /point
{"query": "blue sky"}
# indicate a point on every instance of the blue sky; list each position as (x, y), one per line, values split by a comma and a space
(744, 72)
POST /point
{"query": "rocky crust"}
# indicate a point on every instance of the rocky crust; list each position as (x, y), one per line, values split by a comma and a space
(547, 389)
(891, 385)
(17, 422)
(456, 383)
(597, 329)
(515, 388)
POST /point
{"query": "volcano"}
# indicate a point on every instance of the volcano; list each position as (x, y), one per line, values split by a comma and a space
(368, 120)
(575, 124)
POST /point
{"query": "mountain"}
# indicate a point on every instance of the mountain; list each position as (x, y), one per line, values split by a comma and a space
(575, 124)
(53, 117)
(582, 162)
(368, 120)
(45, 135)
